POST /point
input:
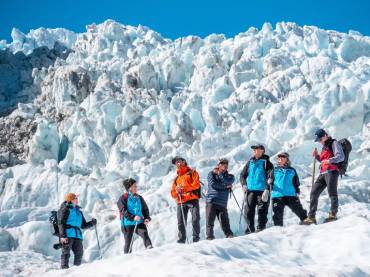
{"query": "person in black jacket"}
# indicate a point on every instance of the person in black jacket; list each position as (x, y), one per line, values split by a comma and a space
(70, 222)
(255, 179)
(134, 215)
(219, 186)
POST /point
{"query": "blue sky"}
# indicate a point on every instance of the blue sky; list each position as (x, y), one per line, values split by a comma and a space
(180, 18)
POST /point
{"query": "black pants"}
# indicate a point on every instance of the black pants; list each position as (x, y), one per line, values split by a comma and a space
(278, 205)
(329, 180)
(128, 232)
(253, 200)
(77, 248)
(213, 211)
(193, 207)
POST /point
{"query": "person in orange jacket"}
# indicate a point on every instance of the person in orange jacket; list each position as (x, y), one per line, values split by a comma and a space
(186, 191)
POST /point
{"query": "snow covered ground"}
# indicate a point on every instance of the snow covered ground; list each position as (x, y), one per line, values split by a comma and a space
(119, 101)
(338, 249)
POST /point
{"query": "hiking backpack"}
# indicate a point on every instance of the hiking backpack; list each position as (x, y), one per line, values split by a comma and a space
(347, 148)
(125, 197)
(53, 219)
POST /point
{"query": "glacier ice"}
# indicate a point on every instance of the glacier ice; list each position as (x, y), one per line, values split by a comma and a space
(120, 101)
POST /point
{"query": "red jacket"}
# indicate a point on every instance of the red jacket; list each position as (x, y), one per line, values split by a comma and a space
(326, 154)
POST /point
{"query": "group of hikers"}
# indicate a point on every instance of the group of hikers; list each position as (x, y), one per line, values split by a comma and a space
(261, 182)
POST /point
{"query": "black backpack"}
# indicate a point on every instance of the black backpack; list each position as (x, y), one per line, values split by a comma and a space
(347, 148)
(53, 219)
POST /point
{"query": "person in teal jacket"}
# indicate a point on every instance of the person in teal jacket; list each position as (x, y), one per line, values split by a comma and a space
(254, 180)
(285, 190)
(134, 215)
(71, 221)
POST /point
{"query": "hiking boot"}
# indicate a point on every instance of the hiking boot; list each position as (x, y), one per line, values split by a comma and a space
(229, 236)
(196, 239)
(332, 217)
(309, 220)
(210, 238)
(181, 241)
(149, 246)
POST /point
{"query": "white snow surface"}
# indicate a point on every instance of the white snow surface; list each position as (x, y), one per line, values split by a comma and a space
(150, 99)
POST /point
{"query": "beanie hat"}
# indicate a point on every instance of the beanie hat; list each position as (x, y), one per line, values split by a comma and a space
(69, 197)
(128, 183)
(178, 159)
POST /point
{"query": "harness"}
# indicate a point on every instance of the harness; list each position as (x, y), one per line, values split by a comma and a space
(76, 228)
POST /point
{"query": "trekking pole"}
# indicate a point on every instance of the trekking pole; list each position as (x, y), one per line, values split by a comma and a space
(241, 213)
(271, 208)
(132, 238)
(97, 239)
(237, 203)
(183, 218)
(241, 210)
(313, 170)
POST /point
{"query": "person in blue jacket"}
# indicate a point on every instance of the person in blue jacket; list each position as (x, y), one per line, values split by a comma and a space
(219, 187)
(71, 221)
(254, 180)
(285, 190)
(134, 212)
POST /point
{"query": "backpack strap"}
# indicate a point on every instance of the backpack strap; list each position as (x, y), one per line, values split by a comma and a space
(191, 175)
(125, 198)
(330, 145)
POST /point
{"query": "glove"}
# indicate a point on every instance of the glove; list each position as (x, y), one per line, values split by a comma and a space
(265, 195)
(93, 222)
(270, 181)
(245, 190)
(64, 240)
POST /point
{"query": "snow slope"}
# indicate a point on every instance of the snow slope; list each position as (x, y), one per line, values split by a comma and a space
(294, 251)
(119, 101)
